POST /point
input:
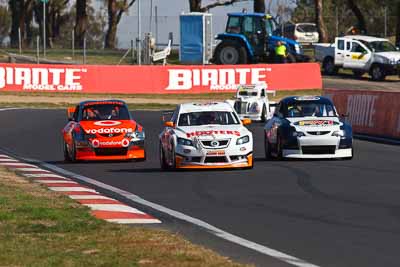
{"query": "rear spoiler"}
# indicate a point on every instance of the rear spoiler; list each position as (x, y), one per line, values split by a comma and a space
(70, 112)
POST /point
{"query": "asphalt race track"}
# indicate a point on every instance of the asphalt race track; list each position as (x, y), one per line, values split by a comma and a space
(328, 213)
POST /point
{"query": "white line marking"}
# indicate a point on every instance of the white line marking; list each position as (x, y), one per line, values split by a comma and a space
(77, 197)
(41, 175)
(130, 221)
(55, 181)
(4, 156)
(72, 189)
(113, 207)
(8, 160)
(212, 229)
(5, 109)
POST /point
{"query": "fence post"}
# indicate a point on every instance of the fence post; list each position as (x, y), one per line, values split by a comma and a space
(337, 21)
(156, 20)
(133, 52)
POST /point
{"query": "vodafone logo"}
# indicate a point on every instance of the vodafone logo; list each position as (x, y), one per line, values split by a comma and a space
(107, 123)
(96, 143)
(109, 131)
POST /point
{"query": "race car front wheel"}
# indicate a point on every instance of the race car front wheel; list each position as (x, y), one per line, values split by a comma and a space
(163, 163)
(67, 157)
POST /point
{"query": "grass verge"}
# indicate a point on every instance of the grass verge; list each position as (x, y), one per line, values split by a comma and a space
(43, 228)
(135, 102)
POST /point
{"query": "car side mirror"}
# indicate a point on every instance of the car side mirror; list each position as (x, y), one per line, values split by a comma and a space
(246, 121)
(169, 124)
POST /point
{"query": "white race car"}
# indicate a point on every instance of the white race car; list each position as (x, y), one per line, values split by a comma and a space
(307, 127)
(206, 136)
(252, 102)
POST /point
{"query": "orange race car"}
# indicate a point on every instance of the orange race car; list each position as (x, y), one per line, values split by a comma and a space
(102, 130)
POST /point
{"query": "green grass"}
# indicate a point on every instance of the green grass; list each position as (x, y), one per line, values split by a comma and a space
(43, 228)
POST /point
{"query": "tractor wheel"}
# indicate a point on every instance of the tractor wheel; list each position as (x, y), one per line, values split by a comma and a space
(230, 53)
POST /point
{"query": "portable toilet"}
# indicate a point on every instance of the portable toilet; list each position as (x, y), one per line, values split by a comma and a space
(196, 42)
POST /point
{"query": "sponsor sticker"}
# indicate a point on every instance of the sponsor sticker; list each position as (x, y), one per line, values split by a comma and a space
(107, 123)
(109, 130)
(216, 153)
(211, 133)
(97, 143)
(316, 123)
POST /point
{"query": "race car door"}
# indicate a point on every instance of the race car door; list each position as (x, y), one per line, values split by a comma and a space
(357, 57)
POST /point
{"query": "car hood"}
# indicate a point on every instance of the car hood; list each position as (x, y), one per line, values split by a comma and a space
(391, 56)
(210, 132)
(108, 127)
(315, 123)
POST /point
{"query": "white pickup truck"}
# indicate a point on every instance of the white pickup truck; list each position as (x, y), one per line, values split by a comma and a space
(361, 54)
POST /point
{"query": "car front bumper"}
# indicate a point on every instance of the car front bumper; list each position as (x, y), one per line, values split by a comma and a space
(133, 151)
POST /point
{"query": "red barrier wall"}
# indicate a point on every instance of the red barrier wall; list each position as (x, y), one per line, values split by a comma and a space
(156, 79)
(370, 112)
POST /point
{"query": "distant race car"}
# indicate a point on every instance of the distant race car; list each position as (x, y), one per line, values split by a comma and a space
(102, 130)
(252, 102)
(206, 136)
(307, 127)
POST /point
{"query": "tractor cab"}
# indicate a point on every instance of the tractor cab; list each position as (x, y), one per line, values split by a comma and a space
(248, 39)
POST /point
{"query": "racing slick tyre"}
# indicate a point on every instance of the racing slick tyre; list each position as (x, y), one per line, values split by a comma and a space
(67, 157)
(329, 67)
(163, 164)
(230, 53)
(173, 159)
(358, 73)
(73, 153)
(267, 149)
(264, 114)
(279, 149)
(377, 72)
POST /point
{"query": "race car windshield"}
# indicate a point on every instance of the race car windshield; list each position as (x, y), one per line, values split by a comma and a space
(207, 117)
(248, 93)
(310, 109)
(105, 112)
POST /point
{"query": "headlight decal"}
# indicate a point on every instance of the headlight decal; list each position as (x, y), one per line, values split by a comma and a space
(184, 142)
(243, 140)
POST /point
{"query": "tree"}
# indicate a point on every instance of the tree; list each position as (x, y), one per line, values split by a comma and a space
(398, 25)
(196, 5)
(323, 36)
(80, 22)
(115, 10)
(361, 25)
(17, 20)
(259, 6)
(5, 23)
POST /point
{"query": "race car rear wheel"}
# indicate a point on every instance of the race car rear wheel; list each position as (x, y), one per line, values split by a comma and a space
(264, 114)
(67, 157)
(163, 164)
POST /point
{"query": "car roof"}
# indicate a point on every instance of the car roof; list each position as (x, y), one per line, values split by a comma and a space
(293, 99)
(107, 101)
(198, 107)
(365, 38)
(244, 14)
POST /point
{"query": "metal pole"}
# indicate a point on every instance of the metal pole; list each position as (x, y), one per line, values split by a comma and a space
(385, 21)
(37, 48)
(84, 50)
(151, 14)
(44, 28)
(19, 41)
(139, 35)
(133, 52)
(337, 22)
(73, 43)
(156, 20)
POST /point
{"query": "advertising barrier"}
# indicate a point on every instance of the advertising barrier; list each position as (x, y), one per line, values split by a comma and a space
(374, 113)
(156, 79)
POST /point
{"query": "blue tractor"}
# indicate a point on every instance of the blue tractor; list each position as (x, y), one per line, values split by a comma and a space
(249, 38)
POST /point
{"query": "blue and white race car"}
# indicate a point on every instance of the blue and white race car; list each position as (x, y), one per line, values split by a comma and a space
(307, 127)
